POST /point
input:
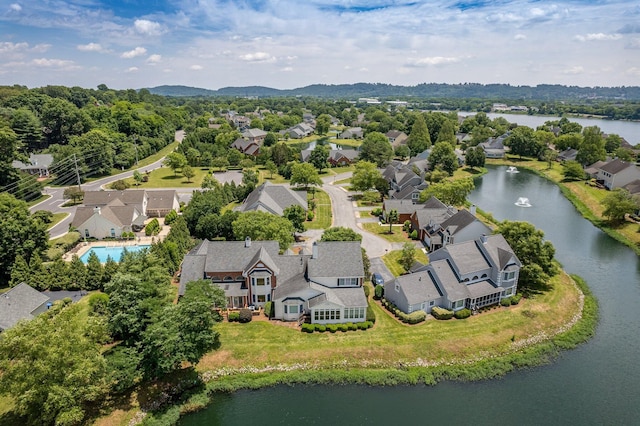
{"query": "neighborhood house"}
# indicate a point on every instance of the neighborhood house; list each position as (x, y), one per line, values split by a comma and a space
(323, 287)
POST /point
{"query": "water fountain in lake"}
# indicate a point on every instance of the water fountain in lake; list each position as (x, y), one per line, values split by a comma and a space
(513, 169)
(523, 202)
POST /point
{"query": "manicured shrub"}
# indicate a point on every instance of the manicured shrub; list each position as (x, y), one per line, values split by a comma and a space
(343, 327)
(320, 327)
(307, 328)
(376, 212)
(170, 217)
(367, 290)
(462, 313)
(152, 228)
(352, 326)
(515, 299)
(245, 315)
(506, 301)
(441, 313)
(371, 315)
(414, 235)
(406, 226)
(378, 292)
(310, 216)
(234, 316)
(414, 317)
(268, 309)
(332, 328)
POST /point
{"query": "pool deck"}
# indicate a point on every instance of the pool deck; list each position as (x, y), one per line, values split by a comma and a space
(140, 240)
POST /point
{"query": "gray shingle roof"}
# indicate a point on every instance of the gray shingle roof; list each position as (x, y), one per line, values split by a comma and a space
(161, 200)
(449, 281)
(615, 166)
(18, 304)
(273, 199)
(418, 287)
(337, 259)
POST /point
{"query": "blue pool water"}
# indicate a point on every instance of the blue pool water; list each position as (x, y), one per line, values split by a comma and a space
(113, 252)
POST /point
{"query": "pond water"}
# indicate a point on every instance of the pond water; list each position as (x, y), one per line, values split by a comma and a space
(597, 383)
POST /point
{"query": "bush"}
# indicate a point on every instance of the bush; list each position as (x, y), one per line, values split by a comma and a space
(506, 301)
(378, 292)
(343, 327)
(245, 315)
(462, 313)
(98, 303)
(234, 316)
(332, 328)
(367, 291)
(152, 228)
(307, 328)
(414, 317)
(376, 212)
(371, 315)
(515, 299)
(364, 325)
(414, 235)
(406, 226)
(310, 216)
(320, 327)
(441, 313)
(352, 326)
(170, 217)
(120, 185)
(268, 309)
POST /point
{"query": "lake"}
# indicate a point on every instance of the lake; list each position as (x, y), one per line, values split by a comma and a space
(597, 383)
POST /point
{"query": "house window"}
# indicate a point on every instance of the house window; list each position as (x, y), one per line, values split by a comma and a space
(316, 316)
(113, 232)
(259, 281)
(508, 292)
(457, 304)
(508, 276)
(262, 298)
(347, 282)
(432, 302)
(86, 233)
(293, 309)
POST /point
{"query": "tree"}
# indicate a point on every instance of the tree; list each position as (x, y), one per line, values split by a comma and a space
(408, 256)
(392, 217)
(296, 215)
(304, 174)
(592, 148)
(340, 233)
(188, 172)
(535, 254)
(319, 157)
(323, 123)
(270, 139)
(450, 192)
(443, 156)
(612, 143)
(522, 141)
(97, 150)
(571, 140)
(376, 148)
(365, 176)
(475, 157)
(175, 161)
(447, 133)
(53, 367)
(262, 226)
(402, 152)
(271, 168)
(221, 163)
(617, 204)
(20, 234)
(250, 178)
(94, 272)
(281, 154)
(573, 170)
(137, 177)
(419, 138)
(9, 146)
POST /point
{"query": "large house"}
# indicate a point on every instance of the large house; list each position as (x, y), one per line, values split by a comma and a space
(405, 181)
(273, 199)
(617, 173)
(110, 213)
(468, 275)
(336, 158)
(352, 133)
(254, 135)
(299, 131)
(38, 164)
(396, 138)
(460, 226)
(494, 147)
(246, 146)
(324, 286)
(22, 302)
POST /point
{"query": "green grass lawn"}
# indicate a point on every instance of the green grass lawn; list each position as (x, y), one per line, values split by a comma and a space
(323, 214)
(150, 159)
(263, 343)
(264, 175)
(164, 177)
(57, 218)
(344, 169)
(40, 199)
(398, 235)
(58, 246)
(391, 261)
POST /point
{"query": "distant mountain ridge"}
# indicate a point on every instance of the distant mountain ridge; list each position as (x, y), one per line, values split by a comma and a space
(425, 90)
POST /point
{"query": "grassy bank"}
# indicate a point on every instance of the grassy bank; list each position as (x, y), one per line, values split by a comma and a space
(261, 354)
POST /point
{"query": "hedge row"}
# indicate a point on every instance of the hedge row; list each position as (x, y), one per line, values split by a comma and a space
(412, 318)
(511, 300)
(441, 313)
(244, 315)
(332, 328)
(462, 313)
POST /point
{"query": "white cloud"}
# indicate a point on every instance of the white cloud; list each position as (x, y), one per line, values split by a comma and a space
(15, 7)
(258, 57)
(598, 37)
(520, 37)
(634, 43)
(154, 59)
(91, 47)
(54, 63)
(138, 51)
(287, 69)
(9, 47)
(132, 69)
(146, 27)
(196, 67)
(574, 70)
(634, 72)
(432, 61)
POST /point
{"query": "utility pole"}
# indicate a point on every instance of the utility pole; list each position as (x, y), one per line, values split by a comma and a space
(75, 162)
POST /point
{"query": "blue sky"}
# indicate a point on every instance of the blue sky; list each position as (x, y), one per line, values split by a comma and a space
(293, 43)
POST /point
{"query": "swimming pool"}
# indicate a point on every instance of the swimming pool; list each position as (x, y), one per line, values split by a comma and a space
(114, 252)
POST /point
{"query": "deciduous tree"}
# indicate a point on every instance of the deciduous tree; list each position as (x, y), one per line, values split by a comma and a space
(365, 176)
(617, 204)
(376, 148)
(450, 192)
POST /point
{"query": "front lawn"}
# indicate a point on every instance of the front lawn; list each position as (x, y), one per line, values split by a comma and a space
(164, 177)
(398, 235)
(391, 261)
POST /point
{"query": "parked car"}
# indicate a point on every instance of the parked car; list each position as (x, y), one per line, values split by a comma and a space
(376, 279)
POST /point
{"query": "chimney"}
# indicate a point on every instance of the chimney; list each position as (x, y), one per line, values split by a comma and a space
(483, 239)
(96, 209)
(247, 242)
(472, 209)
(314, 250)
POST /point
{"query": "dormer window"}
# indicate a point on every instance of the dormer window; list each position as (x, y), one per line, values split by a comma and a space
(508, 275)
